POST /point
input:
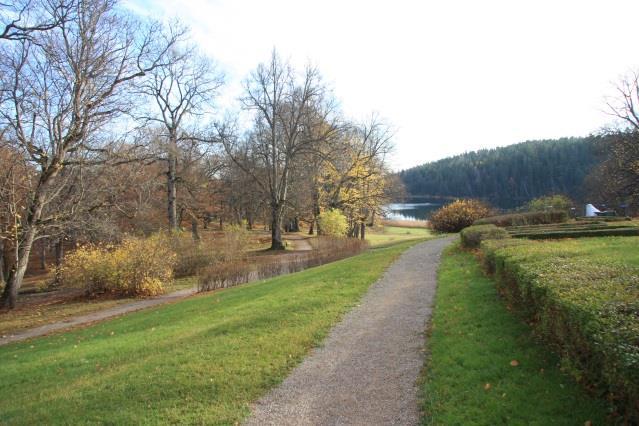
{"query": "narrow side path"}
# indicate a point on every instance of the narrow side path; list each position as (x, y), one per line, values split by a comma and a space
(366, 372)
(95, 316)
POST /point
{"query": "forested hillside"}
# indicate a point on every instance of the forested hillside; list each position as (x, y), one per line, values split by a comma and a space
(508, 176)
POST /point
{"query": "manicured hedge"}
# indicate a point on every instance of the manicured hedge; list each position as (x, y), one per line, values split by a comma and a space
(570, 224)
(577, 233)
(582, 298)
(529, 218)
(604, 218)
(472, 236)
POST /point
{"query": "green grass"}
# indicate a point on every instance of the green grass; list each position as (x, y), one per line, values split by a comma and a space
(469, 379)
(202, 360)
(394, 234)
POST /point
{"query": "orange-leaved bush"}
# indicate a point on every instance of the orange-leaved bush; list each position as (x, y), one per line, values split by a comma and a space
(136, 267)
(457, 215)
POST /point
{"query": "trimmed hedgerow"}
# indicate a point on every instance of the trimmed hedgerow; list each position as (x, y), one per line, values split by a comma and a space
(577, 233)
(472, 236)
(565, 225)
(528, 218)
(604, 218)
(582, 298)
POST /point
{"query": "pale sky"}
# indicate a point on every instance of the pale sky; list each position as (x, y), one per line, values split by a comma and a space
(450, 76)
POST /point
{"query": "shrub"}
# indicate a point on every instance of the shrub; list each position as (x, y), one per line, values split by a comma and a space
(333, 223)
(235, 243)
(472, 236)
(457, 215)
(582, 298)
(191, 255)
(529, 218)
(549, 203)
(136, 267)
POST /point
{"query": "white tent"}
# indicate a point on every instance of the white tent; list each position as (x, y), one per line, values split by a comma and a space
(591, 211)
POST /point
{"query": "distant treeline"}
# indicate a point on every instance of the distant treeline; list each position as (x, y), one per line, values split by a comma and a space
(510, 176)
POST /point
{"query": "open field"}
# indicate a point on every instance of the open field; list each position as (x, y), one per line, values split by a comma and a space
(475, 340)
(405, 223)
(394, 234)
(201, 360)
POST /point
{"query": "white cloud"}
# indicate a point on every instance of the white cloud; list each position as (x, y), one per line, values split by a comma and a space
(451, 76)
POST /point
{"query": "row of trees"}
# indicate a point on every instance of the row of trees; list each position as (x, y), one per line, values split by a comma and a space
(107, 125)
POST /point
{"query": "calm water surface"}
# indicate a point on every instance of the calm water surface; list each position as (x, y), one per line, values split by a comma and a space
(410, 211)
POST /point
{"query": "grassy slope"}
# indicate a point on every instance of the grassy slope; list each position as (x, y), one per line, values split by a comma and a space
(202, 360)
(474, 339)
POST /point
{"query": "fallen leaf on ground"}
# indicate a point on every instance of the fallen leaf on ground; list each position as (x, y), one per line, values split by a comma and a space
(514, 363)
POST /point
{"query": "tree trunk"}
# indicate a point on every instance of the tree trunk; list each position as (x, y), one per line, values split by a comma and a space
(59, 254)
(171, 185)
(16, 276)
(43, 255)
(356, 230)
(276, 231)
(3, 264)
(362, 231)
(194, 231)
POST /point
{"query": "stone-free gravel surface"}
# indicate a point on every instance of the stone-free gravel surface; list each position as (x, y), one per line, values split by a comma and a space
(366, 371)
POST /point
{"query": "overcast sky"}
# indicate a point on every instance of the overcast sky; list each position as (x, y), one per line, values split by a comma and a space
(451, 76)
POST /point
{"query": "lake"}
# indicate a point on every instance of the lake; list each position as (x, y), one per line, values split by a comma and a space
(410, 211)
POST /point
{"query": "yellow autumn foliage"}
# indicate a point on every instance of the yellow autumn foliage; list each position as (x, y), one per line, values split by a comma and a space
(136, 267)
(458, 215)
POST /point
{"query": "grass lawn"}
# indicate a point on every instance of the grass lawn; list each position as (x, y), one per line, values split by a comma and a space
(201, 360)
(485, 368)
(393, 234)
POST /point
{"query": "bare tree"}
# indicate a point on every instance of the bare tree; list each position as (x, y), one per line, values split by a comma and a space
(617, 177)
(285, 107)
(20, 19)
(61, 88)
(625, 106)
(182, 91)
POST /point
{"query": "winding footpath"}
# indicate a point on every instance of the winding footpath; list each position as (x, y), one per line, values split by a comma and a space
(95, 316)
(366, 372)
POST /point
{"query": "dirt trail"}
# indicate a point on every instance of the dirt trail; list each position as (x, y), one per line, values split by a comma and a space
(366, 371)
(95, 316)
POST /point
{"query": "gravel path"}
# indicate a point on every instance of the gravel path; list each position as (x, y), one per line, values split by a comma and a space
(366, 371)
